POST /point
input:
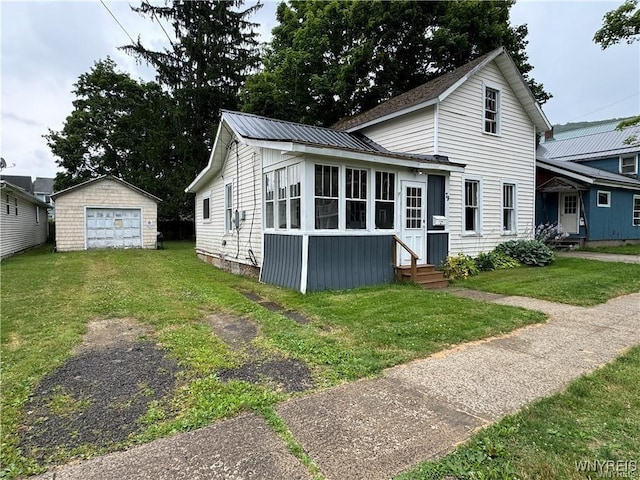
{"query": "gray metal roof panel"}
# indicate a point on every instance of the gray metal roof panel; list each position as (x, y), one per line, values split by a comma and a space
(43, 185)
(590, 147)
(263, 128)
(594, 173)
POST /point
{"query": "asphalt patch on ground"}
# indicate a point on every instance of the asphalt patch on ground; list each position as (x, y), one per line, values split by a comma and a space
(262, 367)
(98, 396)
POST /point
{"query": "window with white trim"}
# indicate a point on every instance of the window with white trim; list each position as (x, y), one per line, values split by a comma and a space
(269, 199)
(15, 203)
(636, 210)
(8, 205)
(37, 214)
(491, 110)
(281, 197)
(508, 208)
(326, 197)
(356, 199)
(228, 207)
(604, 198)
(628, 165)
(471, 206)
(294, 196)
(385, 200)
(206, 208)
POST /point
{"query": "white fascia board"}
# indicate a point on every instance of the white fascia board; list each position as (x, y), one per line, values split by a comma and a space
(373, 158)
(389, 116)
(210, 170)
(566, 173)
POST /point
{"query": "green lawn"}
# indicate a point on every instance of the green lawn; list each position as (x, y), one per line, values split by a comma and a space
(48, 299)
(620, 250)
(567, 280)
(597, 419)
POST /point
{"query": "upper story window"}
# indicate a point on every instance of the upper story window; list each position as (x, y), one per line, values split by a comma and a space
(385, 200)
(356, 195)
(628, 165)
(326, 197)
(491, 110)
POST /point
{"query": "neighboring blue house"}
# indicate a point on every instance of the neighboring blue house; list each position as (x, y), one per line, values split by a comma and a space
(589, 183)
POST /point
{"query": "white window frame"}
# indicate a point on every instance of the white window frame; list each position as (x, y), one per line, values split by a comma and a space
(634, 158)
(37, 214)
(338, 198)
(635, 207)
(15, 204)
(206, 219)
(382, 196)
(228, 206)
(478, 207)
(281, 199)
(269, 179)
(514, 208)
(486, 86)
(607, 194)
(357, 194)
(294, 191)
(8, 205)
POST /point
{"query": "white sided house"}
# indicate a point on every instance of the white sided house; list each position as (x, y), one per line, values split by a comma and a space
(445, 168)
(105, 212)
(23, 220)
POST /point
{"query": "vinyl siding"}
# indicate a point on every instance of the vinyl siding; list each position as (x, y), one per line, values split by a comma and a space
(19, 232)
(70, 212)
(492, 159)
(411, 133)
(244, 171)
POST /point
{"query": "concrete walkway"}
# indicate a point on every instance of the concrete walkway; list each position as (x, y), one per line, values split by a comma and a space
(377, 428)
(602, 257)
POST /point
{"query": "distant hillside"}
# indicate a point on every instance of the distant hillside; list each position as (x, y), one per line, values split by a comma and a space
(576, 125)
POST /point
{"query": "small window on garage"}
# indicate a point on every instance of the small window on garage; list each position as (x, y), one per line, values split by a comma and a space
(604, 198)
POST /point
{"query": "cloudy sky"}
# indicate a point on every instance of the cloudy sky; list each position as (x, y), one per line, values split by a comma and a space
(47, 45)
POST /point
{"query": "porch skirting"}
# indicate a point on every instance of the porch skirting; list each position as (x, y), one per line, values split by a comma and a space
(230, 265)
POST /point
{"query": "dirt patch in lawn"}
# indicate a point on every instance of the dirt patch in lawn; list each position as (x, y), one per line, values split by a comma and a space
(98, 396)
(262, 366)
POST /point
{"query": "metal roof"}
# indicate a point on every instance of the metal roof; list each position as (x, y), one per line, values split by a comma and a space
(43, 185)
(22, 181)
(590, 147)
(262, 128)
(598, 175)
(583, 132)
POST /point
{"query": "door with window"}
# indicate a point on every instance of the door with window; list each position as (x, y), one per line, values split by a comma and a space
(413, 232)
(569, 212)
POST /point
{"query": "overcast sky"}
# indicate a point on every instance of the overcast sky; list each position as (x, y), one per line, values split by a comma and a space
(47, 45)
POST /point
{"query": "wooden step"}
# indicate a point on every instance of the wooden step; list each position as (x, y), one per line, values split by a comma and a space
(426, 275)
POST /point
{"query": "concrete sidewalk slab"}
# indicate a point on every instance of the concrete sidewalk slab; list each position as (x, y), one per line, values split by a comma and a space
(374, 428)
(242, 448)
(601, 257)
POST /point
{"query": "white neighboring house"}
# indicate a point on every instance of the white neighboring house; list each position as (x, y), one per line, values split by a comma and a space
(105, 212)
(447, 167)
(23, 220)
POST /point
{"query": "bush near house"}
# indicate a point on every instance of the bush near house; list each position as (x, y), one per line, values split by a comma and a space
(529, 252)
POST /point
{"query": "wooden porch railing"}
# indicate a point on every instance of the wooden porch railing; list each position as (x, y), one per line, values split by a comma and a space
(414, 257)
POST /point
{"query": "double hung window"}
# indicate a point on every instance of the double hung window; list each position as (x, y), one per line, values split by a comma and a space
(326, 197)
(491, 110)
(385, 200)
(508, 208)
(471, 206)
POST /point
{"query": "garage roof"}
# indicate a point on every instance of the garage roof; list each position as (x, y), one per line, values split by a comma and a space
(100, 179)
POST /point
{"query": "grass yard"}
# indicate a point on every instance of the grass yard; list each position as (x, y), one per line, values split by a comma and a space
(49, 299)
(619, 250)
(589, 431)
(567, 280)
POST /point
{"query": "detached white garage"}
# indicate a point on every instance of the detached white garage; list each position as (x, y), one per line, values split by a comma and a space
(105, 212)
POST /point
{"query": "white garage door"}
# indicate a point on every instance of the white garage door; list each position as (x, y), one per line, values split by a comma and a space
(114, 228)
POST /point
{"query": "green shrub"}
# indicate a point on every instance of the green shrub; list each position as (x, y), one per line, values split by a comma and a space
(460, 266)
(529, 252)
(495, 260)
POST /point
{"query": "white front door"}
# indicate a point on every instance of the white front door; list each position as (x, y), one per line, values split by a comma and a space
(414, 232)
(569, 212)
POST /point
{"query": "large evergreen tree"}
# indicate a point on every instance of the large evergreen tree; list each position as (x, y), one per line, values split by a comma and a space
(215, 48)
(330, 59)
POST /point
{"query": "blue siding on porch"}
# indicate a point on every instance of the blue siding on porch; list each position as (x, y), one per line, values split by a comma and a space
(342, 262)
(282, 262)
(615, 222)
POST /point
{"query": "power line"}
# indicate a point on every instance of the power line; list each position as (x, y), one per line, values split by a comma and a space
(605, 107)
(165, 32)
(118, 22)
